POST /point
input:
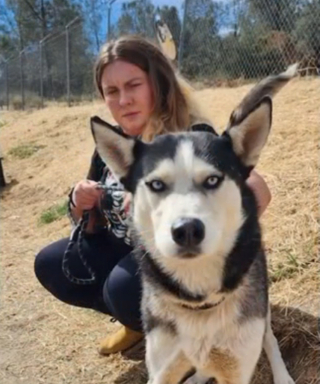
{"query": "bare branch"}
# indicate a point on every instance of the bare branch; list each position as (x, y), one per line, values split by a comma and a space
(33, 10)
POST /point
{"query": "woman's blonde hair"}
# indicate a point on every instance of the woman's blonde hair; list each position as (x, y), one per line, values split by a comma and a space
(174, 109)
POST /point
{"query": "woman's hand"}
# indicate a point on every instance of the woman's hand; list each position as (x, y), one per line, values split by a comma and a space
(261, 191)
(127, 202)
(86, 195)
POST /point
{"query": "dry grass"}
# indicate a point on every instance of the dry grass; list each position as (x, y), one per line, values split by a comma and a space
(45, 341)
(53, 213)
(23, 151)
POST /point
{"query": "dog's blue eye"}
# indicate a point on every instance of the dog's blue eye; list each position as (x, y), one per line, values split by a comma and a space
(212, 182)
(156, 185)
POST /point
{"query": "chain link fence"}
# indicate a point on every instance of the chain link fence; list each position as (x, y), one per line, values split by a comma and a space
(217, 41)
(58, 68)
(241, 39)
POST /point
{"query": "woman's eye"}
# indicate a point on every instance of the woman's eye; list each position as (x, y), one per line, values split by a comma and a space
(212, 182)
(135, 85)
(156, 185)
(111, 92)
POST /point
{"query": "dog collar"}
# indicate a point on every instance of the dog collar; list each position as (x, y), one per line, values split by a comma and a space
(203, 306)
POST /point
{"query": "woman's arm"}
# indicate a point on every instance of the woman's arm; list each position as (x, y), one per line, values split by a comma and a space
(261, 191)
(86, 197)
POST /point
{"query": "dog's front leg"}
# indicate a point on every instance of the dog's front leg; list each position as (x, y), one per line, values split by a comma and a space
(271, 347)
(197, 378)
(236, 364)
(166, 363)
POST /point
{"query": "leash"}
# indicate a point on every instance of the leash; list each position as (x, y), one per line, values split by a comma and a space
(77, 238)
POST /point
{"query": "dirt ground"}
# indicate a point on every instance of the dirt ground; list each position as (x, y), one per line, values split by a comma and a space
(45, 341)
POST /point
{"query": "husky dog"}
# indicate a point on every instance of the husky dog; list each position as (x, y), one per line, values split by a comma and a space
(204, 275)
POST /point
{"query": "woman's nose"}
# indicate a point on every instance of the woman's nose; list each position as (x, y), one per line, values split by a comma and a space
(125, 99)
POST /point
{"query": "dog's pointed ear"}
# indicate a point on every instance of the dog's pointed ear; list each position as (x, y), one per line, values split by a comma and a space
(250, 134)
(114, 147)
(250, 122)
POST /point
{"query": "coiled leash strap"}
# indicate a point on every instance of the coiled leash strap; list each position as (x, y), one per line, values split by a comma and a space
(77, 238)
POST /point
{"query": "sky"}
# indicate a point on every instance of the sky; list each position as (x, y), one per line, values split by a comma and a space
(117, 5)
(160, 3)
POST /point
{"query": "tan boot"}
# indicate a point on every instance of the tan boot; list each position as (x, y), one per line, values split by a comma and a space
(123, 339)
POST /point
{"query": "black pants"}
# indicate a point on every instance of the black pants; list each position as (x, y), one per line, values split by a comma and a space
(117, 290)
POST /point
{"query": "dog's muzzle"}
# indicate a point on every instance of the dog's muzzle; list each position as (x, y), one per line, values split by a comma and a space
(188, 233)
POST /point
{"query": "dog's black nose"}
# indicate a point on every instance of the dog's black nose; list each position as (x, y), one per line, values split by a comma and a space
(188, 232)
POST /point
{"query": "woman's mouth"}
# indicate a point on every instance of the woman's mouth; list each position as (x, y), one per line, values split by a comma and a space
(131, 114)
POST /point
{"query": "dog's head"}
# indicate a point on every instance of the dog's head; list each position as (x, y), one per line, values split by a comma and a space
(189, 188)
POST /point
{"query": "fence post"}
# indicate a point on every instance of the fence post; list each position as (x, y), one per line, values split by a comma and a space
(68, 64)
(7, 83)
(183, 27)
(109, 7)
(22, 78)
(41, 73)
(68, 56)
(41, 43)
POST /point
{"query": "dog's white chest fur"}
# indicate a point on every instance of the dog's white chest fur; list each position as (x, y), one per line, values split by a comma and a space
(195, 339)
(199, 332)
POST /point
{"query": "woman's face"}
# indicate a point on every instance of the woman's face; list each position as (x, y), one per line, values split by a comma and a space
(128, 94)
